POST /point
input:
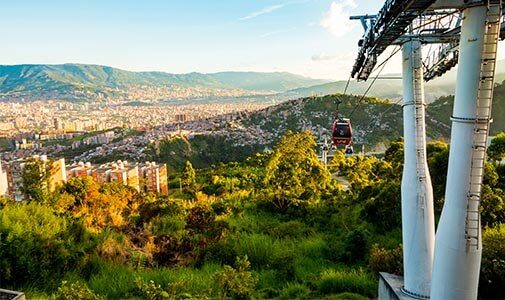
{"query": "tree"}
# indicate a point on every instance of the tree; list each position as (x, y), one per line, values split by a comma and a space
(496, 150)
(294, 172)
(188, 179)
(36, 174)
(394, 154)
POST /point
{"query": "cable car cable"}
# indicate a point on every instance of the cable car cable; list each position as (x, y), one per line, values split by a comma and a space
(382, 65)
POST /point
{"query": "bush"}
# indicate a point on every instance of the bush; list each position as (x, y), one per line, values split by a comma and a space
(356, 246)
(153, 291)
(382, 205)
(236, 282)
(383, 260)
(290, 229)
(75, 291)
(295, 291)
(221, 252)
(37, 246)
(339, 281)
(492, 274)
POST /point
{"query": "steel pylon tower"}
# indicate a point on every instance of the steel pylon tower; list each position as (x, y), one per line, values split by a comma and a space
(458, 247)
(418, 224)
(472, 43)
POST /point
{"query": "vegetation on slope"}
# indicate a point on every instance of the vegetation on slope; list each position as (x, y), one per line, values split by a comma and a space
(275, 226)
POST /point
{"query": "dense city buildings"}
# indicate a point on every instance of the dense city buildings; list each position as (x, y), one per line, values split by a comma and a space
(146, 177)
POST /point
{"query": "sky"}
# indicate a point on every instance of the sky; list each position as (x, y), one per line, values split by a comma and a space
(313, 38)
(307, 37)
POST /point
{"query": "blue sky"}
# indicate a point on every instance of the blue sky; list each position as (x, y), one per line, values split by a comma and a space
(308, 37)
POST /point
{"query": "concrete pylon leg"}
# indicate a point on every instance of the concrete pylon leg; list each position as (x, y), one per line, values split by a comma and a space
(456, 268)
(418, 226)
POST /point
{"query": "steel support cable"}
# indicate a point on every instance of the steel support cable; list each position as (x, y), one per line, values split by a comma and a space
(382, 65)
(435, 20)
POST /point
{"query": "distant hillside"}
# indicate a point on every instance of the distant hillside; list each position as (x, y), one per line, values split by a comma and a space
(389, 88)
(83, 82)
(383, 88)
(441, 110)
(375, 122)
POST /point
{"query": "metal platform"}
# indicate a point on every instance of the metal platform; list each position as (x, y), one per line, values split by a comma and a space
(390, 23)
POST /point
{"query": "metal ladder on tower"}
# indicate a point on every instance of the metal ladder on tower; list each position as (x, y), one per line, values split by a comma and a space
(481, 125)
(420, 142)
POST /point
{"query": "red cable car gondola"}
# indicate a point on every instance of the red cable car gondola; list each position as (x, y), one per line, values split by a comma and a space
(342, 132)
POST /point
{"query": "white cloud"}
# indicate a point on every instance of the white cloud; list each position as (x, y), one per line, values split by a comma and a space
(336, 19)
(263, 11)
(323, 57)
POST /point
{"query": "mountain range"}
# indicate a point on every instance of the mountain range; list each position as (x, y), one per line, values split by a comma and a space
(91, 82)
(81, 82)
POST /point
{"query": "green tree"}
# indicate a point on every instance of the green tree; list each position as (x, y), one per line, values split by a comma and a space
(496, 150)
(36, 174)
(188, 179)
(394, 154)
(294, 172)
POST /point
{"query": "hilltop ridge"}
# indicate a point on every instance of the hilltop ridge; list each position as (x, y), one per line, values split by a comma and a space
(91, 82)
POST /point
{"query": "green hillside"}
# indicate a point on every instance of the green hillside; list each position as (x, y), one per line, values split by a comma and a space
(441, 110)
(75, 80)
(376, 123)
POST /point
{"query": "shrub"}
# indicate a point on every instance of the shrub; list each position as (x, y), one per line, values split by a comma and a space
(383, 260)
(115, 248)
(153, 291)
(169, 226)
(220, 252)
(36, 245)
(356, 246)
(492, 275)
(75, 291)
(382, 205)
(492, 206)
(236, 282)
(293, 229)
(200, 218)
(295, 291)
(339, 281)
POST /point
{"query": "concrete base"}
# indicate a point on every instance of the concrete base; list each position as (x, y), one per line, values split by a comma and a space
(390, 288)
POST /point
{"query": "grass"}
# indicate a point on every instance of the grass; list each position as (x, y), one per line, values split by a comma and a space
(118, 282)
(257, 223)
(355, 281)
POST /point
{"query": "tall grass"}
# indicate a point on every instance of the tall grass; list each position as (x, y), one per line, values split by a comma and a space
(114, 282)
(264, 251)
(310, 258)
(118, 282)
(354, 281)
(253, 223)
